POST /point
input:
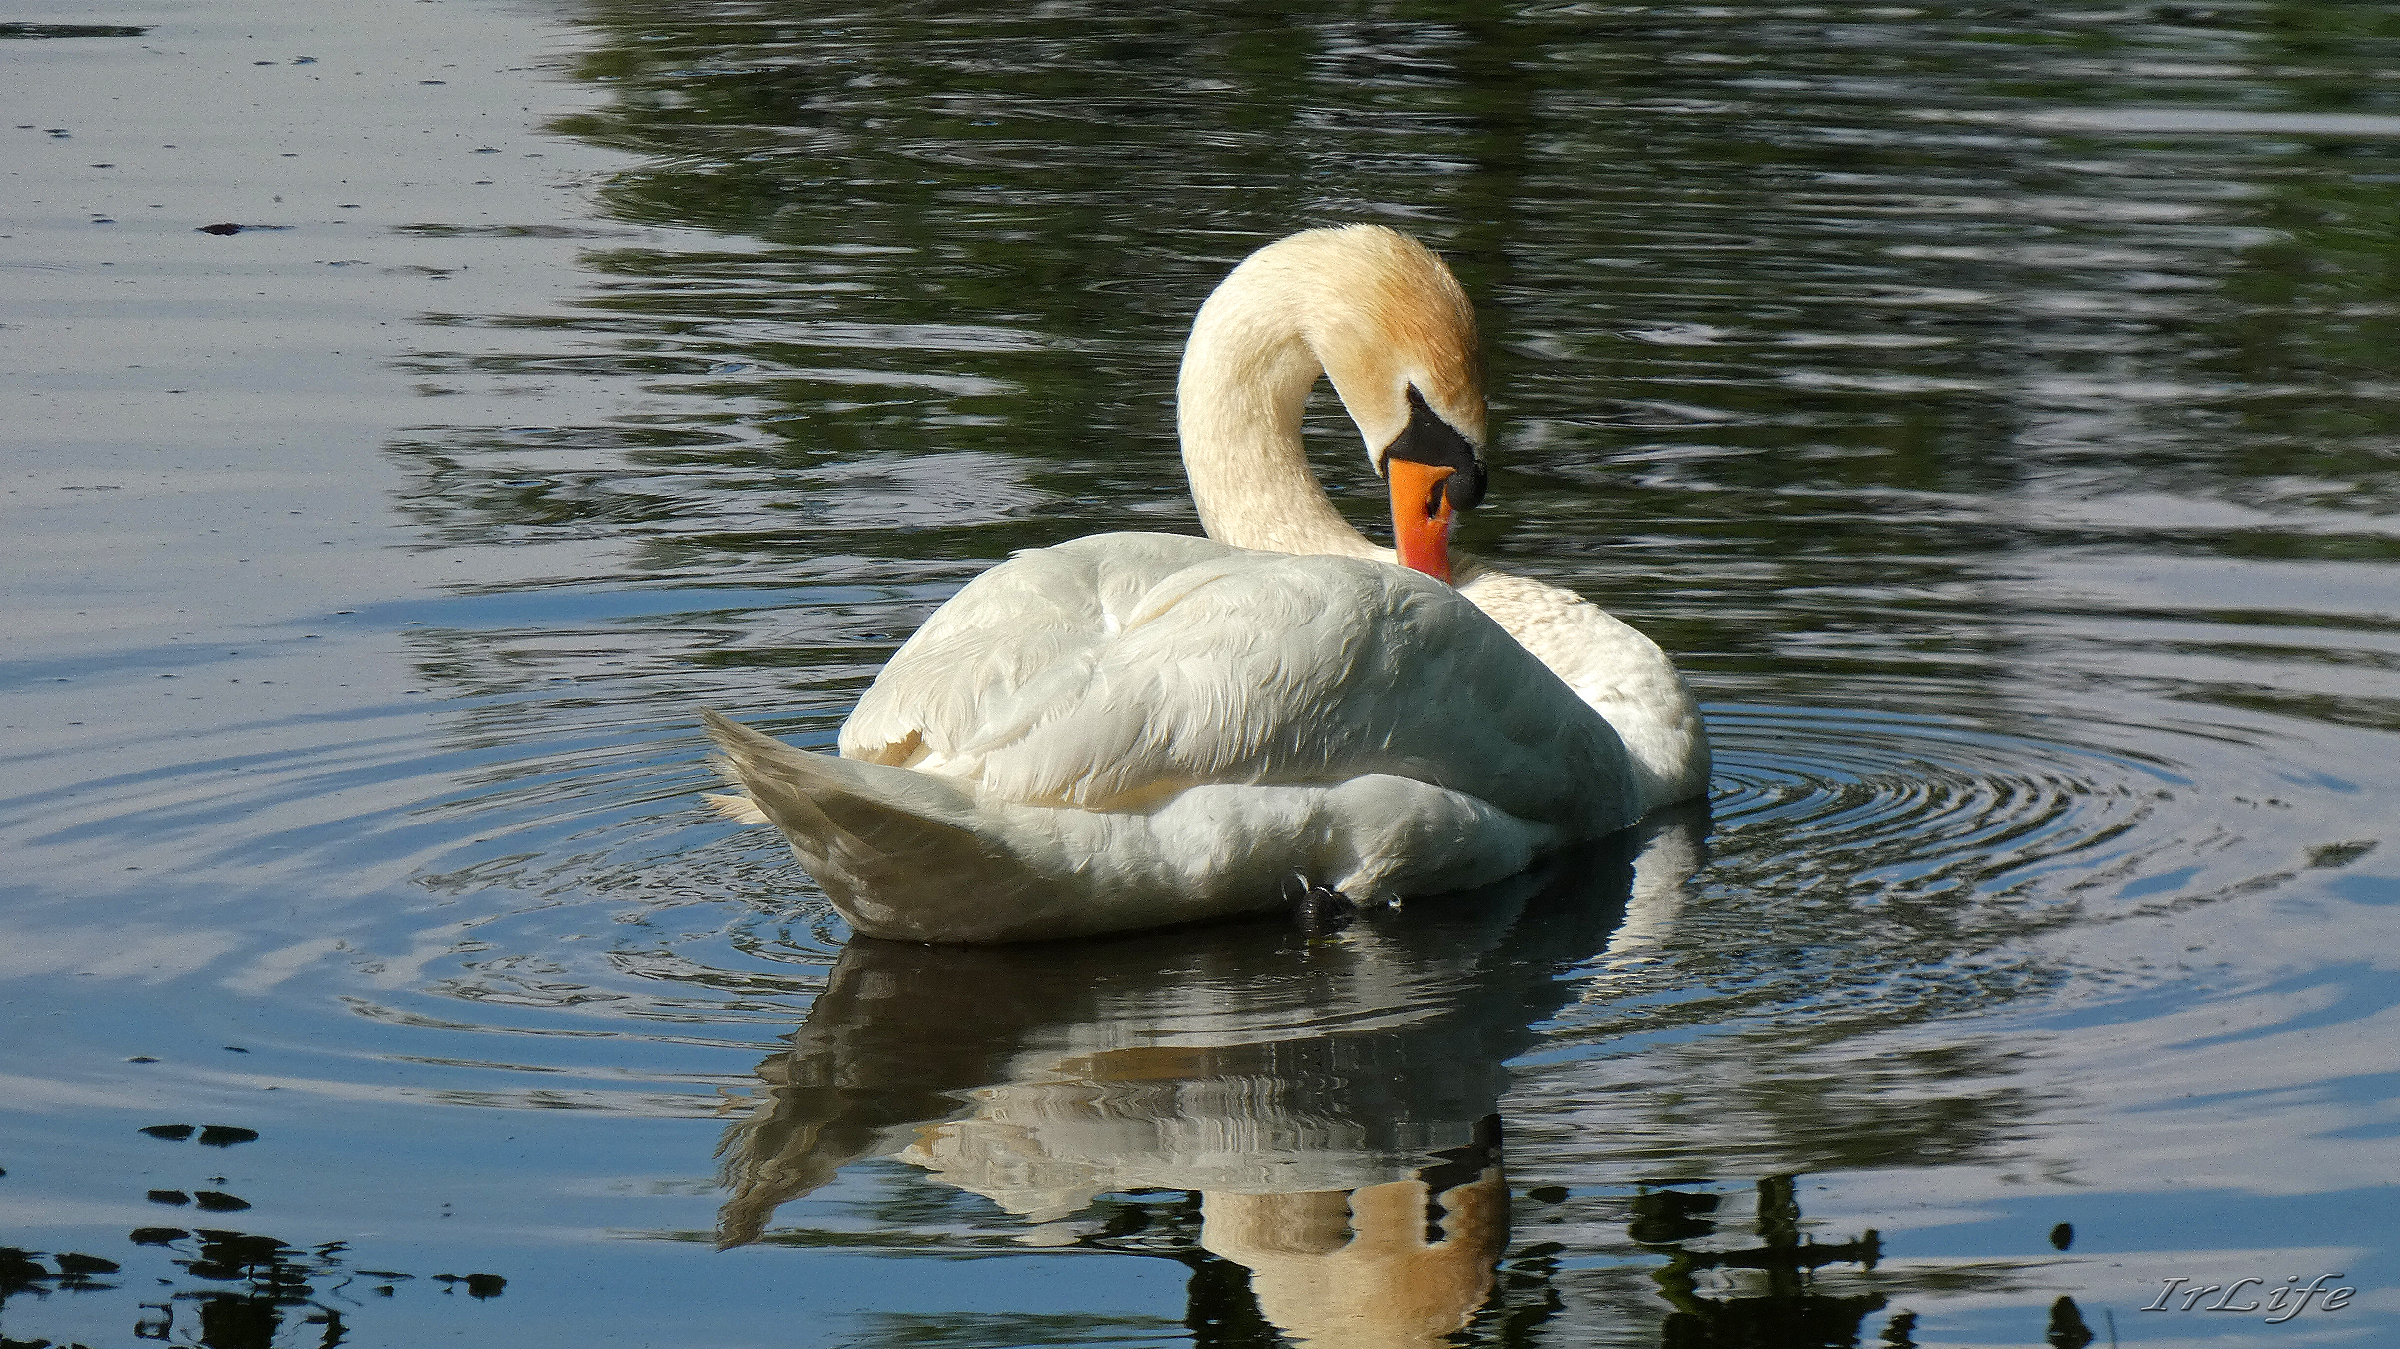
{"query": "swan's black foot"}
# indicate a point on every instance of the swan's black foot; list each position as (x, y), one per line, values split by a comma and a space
(1320, 910)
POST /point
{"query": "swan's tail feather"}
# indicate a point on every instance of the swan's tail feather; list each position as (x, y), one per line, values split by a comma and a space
(897, 851)
(734, 806)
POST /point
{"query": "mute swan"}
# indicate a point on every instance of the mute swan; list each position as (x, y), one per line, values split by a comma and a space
(1132, 730)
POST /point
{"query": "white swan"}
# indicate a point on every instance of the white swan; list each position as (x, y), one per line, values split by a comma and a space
(1132, 730)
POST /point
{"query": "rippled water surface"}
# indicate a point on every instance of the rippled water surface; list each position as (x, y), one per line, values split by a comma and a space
(1995, 408)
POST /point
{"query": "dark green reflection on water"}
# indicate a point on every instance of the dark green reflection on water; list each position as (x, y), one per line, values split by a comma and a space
(236, 1290)
(1874, 361)
(1767, 296)
(228, 1289)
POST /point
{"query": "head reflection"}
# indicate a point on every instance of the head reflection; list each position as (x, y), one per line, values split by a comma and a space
(1333, 1102)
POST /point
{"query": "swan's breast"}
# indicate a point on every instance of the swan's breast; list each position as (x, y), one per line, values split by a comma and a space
(1616, 670)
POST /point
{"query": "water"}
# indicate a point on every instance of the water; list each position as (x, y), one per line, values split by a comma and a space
(1995, 409)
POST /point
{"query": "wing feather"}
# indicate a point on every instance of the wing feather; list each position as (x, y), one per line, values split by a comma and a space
(1007, 627)
(1118, 670)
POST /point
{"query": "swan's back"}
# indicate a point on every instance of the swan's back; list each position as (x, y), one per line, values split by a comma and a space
(1116, 671)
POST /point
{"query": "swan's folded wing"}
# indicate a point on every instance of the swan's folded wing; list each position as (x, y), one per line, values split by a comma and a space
(1242, 667)
(1040, 609)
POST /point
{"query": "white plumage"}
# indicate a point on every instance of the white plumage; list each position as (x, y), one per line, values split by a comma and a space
(1132, 730)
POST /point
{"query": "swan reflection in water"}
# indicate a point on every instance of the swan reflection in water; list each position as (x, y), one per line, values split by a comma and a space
(1334, 1102)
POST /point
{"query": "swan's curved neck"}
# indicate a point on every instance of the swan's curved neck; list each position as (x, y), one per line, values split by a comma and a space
(1247, 371)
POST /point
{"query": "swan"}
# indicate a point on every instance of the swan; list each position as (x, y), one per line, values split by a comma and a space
(1135, 730)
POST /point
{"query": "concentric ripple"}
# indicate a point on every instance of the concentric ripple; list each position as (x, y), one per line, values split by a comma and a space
(1937, 803)
(1866, 869)
(517, 847)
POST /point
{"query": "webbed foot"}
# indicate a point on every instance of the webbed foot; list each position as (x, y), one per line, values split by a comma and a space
(1319, 910)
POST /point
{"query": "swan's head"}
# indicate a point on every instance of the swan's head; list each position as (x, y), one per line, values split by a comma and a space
(1380, 315)
(1397, 338)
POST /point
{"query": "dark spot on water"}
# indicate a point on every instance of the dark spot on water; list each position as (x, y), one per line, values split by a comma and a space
(173, 1133)
(177, 1197)
(1664, 1217)
(226, 1135)
(2062, 1236)
(18, 1272)
(56, 30)
(222, 227)
(1547, 1194)
(478, 1285)
(2339, 854)
(156, 1236)
(2067, 1330)
(236, 1049)
(217, 1201)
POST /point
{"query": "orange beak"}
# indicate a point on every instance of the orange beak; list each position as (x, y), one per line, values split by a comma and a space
(1421, 516)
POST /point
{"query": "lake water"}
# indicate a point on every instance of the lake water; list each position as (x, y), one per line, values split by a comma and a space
(1995, 408)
